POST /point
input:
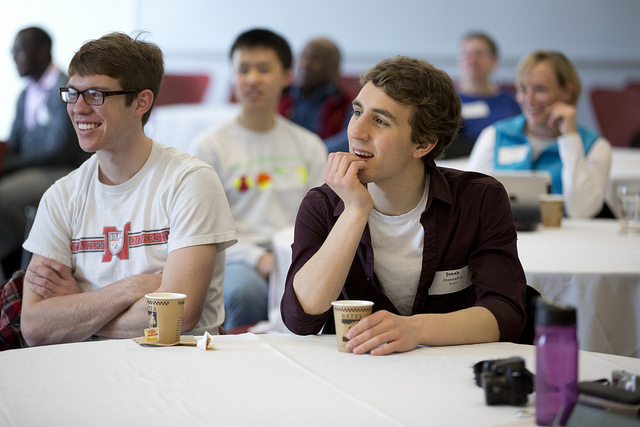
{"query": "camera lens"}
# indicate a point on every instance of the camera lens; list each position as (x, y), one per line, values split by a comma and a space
(496, 389)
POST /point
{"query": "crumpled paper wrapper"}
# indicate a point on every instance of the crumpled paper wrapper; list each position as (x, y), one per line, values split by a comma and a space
(205, 343)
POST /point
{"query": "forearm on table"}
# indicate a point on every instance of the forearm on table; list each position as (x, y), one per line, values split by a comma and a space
(188, 271)
(129, 323)
(76, 317)
(322, 278)
(468, 326)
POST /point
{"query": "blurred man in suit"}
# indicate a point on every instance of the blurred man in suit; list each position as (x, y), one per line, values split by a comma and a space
(42, 146)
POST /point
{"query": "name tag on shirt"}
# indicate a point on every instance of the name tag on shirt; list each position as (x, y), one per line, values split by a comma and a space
(450, 281)
(512, 154)
(42, 116)
(475, 110)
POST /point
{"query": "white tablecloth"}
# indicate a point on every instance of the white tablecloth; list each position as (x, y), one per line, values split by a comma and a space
(259, 380)
(584, 263)
(590, 265)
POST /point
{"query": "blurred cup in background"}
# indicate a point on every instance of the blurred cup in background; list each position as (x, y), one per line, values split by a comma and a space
(628, 197)
(551, 209)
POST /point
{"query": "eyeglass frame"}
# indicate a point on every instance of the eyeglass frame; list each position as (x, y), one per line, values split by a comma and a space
(105, 94)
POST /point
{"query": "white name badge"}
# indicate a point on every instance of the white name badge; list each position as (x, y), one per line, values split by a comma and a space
(42, 116)
(512, 154)
(475, 110)
(450, 281)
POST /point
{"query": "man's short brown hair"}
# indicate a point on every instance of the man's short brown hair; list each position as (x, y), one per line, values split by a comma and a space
(136, 64)
(488, 41)
(431, 91)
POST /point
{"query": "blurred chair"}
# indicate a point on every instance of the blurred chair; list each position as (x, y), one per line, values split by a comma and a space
(350, 83)
(3, 153)
(183, 89)
(633, 85)
(618, 113)
(635, 140)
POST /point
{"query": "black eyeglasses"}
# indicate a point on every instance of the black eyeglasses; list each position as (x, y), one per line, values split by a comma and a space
(94, 97)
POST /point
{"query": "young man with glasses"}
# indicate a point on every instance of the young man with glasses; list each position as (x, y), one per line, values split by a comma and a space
(137, 217)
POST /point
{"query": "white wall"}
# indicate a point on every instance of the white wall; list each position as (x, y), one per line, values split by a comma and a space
(601, 37)
(69, 23)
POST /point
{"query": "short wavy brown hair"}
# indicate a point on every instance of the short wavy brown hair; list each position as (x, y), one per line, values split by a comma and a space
(136, 64)
(431, 91)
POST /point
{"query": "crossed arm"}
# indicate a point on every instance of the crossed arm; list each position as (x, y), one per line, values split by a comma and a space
(55, 310)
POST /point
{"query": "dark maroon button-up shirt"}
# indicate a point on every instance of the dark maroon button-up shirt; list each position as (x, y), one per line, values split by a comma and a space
(467, 222)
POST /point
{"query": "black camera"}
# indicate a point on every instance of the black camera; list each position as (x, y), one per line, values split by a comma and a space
(505, 381)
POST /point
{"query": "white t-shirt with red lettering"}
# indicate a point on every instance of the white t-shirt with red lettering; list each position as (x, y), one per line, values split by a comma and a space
(107, 233)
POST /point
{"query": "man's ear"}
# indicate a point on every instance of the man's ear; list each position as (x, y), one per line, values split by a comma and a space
(288, 78)
(143, 102)
(424, 146)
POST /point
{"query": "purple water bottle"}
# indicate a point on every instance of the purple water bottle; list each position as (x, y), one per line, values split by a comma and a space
(556, 382)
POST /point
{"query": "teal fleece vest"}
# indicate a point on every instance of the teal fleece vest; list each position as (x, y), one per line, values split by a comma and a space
(510, 136)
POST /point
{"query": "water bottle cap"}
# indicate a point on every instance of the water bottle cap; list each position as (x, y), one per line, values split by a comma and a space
(554, 313)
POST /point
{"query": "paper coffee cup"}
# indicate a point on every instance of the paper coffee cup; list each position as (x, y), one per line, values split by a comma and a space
(346, 314)
(551, 209)
(165, 313)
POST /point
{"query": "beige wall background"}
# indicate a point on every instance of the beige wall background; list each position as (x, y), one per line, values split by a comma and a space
(601, 37)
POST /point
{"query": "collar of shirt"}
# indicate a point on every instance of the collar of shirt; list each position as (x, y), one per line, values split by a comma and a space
(36, 95)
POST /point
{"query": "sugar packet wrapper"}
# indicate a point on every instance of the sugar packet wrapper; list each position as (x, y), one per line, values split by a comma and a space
(205, 343)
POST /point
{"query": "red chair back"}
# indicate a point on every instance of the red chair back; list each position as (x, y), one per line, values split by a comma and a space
(633, 85)
(3, 154)
(350, 84)
(618, 114)
(182, 89)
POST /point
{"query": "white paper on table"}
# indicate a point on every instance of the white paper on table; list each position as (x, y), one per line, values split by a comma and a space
(205, 343)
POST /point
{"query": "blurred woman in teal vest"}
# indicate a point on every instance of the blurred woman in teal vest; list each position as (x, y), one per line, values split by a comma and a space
(546, 136)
